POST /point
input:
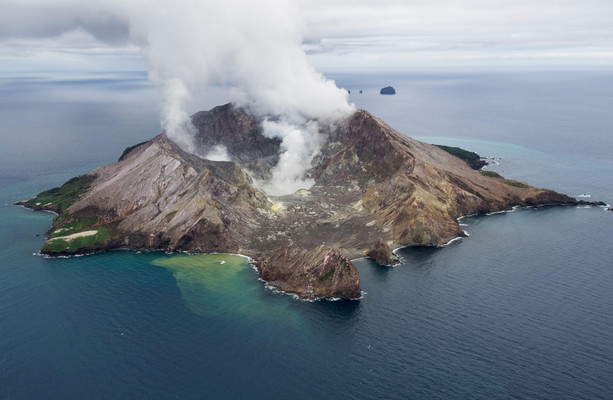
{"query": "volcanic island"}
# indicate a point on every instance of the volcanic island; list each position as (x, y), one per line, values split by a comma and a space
(374, 190)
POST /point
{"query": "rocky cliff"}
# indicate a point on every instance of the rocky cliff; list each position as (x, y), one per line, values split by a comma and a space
(372, 185)
(313, 273)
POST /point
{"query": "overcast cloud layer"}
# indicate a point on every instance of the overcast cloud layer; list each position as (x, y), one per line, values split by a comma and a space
(440, 32)
(341, 33)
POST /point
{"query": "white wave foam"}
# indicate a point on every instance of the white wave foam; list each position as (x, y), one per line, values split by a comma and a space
(452, 240)
(466, 216)
(294, 296)
(515, 208)
(584, 195)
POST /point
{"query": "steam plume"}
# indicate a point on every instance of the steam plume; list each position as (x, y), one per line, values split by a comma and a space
(256, 48)
(253, 46)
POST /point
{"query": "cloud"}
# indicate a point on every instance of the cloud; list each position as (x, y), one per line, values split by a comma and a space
(440, 32)
(343, 32)
(43, 19)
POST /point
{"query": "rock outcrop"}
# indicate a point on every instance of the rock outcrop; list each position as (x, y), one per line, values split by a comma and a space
(314, 273)
(388, 90)
(372, 184)
(382, 254)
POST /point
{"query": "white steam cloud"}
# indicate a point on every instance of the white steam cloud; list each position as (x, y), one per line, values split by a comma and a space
(300, 145)
(218, 153)
(256, 47)
(253, 46)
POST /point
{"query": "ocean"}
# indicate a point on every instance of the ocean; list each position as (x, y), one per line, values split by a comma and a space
(522, 308)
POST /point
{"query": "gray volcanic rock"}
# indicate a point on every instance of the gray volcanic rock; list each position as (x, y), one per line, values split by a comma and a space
(240, 134)
(315, 273)
(382, 254)
(372, 184)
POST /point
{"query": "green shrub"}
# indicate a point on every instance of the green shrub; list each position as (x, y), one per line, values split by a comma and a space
(516, 184)
(59, 245)
(60, 198)
(492, 174)
(469, 157)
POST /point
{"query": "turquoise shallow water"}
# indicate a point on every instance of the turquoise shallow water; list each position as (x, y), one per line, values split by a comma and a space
(522, 308)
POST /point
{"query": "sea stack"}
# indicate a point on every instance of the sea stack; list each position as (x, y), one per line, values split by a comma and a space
(388, 90)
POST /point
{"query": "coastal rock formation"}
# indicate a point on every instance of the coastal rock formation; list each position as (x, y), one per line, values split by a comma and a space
(388, 90)
(382, 254)
(315, 273)
(372, 184)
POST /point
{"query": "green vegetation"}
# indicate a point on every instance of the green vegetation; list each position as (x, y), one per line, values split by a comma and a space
(509, 182)
(62, 231)
(128, 150)
(60, 245)
(70, 223)
(492, 174)
(327, 276)
(516, 184)
(471, 158)
(60, 198)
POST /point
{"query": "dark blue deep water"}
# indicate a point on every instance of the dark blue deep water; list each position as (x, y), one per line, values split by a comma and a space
(520, 309)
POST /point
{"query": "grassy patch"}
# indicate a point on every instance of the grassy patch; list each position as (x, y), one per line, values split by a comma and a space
(62, 231)
(60, 245)
(509, 182)
(469, 157)
(516, 184)
(492, 174)
(60, 198)
(71, 223)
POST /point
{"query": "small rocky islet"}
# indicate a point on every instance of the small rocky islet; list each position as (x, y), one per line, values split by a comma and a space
(374, 190)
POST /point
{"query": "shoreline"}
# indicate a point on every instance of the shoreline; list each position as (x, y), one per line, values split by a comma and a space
(251, 259)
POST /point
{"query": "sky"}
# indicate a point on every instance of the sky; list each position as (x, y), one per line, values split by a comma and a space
(336, 35)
